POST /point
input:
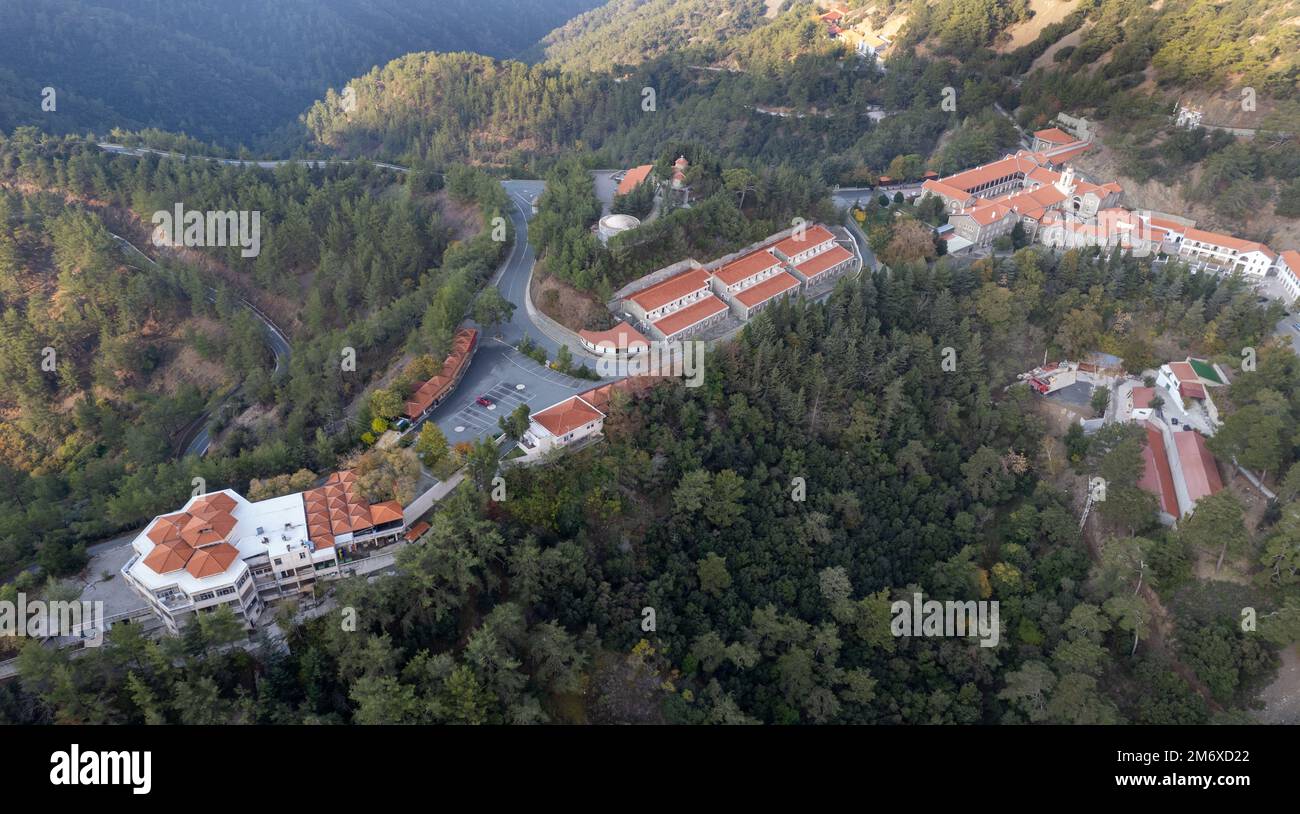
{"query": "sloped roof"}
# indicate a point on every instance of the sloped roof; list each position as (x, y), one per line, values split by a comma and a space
(387, 512)
(823, 262)
(212, 560)
(633, 178)
(1157, 478)
(1292, 259)
(747, 266)
(1200, 471)
(773, 286)
(1055, 135)
(567, 416)
(462, 348)
(688, 316)
(1142, 397)
(671, 289)
(168, 557)
(1228, 242)
(815, 236)
(621, 336)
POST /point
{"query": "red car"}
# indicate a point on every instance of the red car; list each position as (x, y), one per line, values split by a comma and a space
(483, 401)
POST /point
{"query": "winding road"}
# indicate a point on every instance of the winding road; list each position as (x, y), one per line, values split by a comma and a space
(497, 367)
(498, 370)
(197, 433)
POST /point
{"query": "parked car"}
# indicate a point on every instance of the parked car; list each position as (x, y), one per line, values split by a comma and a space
(483, 401)
(1296, 325)
(403, 424)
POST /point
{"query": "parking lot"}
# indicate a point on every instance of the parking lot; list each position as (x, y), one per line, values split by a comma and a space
(475, 420)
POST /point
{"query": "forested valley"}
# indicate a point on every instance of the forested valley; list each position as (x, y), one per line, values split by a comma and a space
(772, 604)
(353, 257)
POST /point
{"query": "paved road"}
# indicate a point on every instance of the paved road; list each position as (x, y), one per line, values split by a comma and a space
(495, 363)
(236, 162)
(276, 341)
(498, 369)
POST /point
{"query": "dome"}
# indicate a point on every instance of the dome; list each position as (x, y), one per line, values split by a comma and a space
(620, 222)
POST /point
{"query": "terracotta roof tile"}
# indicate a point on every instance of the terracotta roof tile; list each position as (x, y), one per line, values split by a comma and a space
(773, 286)
(671, 289)
(681, 320)
(567, 416)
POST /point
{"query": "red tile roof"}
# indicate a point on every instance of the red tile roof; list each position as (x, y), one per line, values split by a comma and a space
(453, 367)
(567, 416)
(633, 178)
(946, 191)
(824, 262)
(1142, 397)
(417, 531)
(1192, 390)
(621, 336)
(168, 557)
(746, 267)
(168, 527)
(671, 289)
(1228, 242)
(681, 320)
(813, 237)
(1055, 135)
(1183, 371)
(387, 512)
(212, 560)
(1200, 472)
(773, 286)
(1292, 259)
(1157, 478)
(1008, 166)
(336, 508)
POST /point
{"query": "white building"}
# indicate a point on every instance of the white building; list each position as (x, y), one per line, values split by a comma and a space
(1181, 385)
(1288, 272)
(562, 424)
(1224, 254)
(221, 549)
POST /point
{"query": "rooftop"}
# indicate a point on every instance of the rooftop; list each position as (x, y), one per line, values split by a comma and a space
(823, 262)
(810, 238)
(671, 289)
(688, 316)
(773, 286)
(746, 267)
(1157, 478)
(633, 178)
(1200, 471)
(1055, 135)
(1228, 242)
(567, 416)
(620, 336)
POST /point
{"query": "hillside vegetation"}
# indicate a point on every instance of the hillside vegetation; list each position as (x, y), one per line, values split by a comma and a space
(233, 71)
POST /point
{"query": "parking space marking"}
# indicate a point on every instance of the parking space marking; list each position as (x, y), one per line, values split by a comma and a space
(504, 395)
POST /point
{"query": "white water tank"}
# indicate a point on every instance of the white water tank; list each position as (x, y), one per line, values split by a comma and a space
(611, 225)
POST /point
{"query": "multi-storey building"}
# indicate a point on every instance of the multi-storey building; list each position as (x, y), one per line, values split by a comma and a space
(1288, 271)
(1224, 254)
(686, 302)
(221, 549)
(752, 282)
(678, 306)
